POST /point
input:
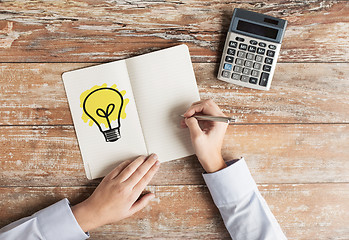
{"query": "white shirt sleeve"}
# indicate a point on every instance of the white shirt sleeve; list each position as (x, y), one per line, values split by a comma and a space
(245, 213)
(54, 222)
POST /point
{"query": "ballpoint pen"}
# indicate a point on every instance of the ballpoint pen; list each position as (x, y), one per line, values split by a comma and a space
(228, 120)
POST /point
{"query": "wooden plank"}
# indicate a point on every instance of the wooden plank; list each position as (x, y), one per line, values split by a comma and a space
(292, 153)
(310, 211)
(49, 156)
(57, 31)
(33, 94)
(300, 93)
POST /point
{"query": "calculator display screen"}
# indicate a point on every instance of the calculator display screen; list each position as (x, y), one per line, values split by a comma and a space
(257, 29)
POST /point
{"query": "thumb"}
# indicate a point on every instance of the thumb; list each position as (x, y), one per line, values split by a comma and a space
(142, 202)
(193, 126)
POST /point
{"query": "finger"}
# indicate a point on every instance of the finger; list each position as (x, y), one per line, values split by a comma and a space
(139, 187)
(196, 103)
(118, 169)
(141, 203)
(130, 169)
(212, 108)
(183, 125)
(194, 127)
(142, 170)
(206, 107)
(193, 109)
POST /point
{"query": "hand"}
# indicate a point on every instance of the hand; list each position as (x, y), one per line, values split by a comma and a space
(207, 140)
(116, 196)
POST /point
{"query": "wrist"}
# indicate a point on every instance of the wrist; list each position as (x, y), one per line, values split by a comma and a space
(213, 164)
(84, 216)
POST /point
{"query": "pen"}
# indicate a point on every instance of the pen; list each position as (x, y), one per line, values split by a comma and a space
(228, 120)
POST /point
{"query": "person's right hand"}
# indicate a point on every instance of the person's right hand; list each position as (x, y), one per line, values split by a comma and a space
(118, 195)
(207, 140)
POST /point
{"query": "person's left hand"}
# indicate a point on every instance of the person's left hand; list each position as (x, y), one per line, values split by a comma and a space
(117, 196)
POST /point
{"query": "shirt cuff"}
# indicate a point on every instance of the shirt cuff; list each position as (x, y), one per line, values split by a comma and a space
(58, 222)
(230, 184)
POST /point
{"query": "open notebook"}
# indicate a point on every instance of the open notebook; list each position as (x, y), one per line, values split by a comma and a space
(131, 107)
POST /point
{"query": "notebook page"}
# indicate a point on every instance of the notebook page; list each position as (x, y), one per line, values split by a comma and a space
(164, 87)
(99, 155)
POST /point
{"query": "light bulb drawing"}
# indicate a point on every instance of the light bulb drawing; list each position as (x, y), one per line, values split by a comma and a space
(104, 106)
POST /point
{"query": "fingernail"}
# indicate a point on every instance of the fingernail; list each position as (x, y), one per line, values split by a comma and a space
(155, 156)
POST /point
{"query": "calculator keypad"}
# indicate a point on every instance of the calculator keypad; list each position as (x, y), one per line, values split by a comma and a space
(248, 60)
(228, 66)
(229, 59)
(239, 61)
(261, 51)
(231, 51)
(237, 69)
(240, 39)
(264, 79)
(233, 44)
(242, 46)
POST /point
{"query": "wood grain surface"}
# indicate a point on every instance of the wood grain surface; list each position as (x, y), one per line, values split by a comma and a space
(50, 156)
(95, 31)
(187, 212)
(295, 137)
(33, 94)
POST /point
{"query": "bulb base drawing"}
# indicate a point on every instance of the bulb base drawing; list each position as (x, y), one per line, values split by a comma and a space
(112, 135)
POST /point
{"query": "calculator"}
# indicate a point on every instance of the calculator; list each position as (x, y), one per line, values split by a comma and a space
(251, 49)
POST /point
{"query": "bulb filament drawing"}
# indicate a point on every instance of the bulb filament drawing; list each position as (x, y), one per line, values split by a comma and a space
(105, 114)
(104, 106)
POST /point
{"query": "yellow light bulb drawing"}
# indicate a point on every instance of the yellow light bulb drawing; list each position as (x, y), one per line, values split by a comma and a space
(104, 106)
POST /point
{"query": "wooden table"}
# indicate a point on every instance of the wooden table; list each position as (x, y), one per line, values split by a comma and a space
(295, 137)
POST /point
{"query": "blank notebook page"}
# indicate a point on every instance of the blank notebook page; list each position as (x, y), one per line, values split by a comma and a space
(164, 86)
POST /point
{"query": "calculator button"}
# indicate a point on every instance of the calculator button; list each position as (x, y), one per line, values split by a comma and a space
(261, 51)
(244, 78)
(235, 76)
(250, 56)
(229, 59)
(225, 74)
(270, 53)
(241, 54)
(231, 51)
(268, 60)
(253, 80)
(237, 69)
(240, 39)
(255, 73)
(246, 71)
(257, 66)
(258, 58)
(227, 66)
(248, 64)
(239, 61)
(266, 68)
(242, 46)
(273, 47)
(252, 48)
(233, 44)
(262, 44)
(253, 42)
(264, 79)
